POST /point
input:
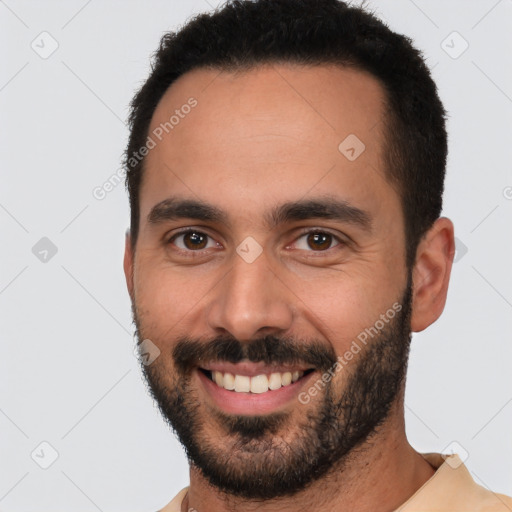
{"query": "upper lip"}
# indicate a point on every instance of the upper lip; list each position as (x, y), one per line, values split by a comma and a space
(252, 369)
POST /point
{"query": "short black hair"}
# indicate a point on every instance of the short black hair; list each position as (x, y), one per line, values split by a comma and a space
(242, 34)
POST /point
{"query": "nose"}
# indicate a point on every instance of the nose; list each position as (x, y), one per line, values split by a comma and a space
(251, 301)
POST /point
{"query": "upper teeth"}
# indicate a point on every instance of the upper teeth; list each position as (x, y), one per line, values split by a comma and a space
(257, 384)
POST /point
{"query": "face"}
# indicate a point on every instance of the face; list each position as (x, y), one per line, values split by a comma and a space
(269, 271)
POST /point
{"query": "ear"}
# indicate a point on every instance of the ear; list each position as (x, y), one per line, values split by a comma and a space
(128, 263)
(431, 274)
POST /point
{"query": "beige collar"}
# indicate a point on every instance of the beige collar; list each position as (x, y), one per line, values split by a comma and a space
(450, 489)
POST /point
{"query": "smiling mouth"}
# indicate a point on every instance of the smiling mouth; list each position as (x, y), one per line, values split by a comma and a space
(256, 384)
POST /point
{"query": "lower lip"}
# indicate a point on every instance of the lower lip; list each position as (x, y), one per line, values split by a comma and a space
(252, 403)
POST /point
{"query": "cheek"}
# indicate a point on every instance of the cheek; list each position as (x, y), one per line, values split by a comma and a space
(343, 307)
(350, 296)
(167, 298)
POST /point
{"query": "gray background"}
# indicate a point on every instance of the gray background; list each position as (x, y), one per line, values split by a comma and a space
(68, 373)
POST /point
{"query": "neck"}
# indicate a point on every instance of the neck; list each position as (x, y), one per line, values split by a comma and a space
(381, 474)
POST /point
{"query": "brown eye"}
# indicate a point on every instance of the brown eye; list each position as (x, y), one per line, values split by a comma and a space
(191, 240)
(319, 241)
(195, 240)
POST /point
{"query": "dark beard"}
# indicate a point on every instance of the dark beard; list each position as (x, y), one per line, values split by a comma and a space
(251, 460)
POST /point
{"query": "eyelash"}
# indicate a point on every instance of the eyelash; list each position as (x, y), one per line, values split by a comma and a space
(304, 232)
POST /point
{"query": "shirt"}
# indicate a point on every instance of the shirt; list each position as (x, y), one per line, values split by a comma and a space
(450, 489)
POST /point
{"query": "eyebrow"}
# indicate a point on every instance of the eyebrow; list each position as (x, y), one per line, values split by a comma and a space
(326, 207)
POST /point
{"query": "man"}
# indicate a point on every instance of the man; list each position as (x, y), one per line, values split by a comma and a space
(285, 169)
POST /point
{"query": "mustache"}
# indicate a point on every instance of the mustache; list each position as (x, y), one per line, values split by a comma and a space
(189, 353)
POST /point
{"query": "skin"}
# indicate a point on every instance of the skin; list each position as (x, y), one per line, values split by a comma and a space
(256, 140)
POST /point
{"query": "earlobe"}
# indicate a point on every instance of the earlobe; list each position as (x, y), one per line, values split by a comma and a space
(431, 274)
(128, 263)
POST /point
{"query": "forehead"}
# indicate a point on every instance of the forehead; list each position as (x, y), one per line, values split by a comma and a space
(273, 131)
